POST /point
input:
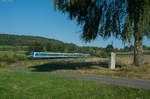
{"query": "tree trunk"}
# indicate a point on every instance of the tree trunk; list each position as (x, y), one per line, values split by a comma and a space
(138, 52)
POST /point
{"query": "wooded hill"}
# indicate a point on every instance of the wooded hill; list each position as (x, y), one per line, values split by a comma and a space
(21, 40)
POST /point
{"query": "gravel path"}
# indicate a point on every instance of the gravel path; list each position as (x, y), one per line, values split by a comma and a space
(117, 81)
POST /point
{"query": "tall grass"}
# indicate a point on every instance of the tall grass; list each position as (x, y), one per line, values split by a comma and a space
(12, 57)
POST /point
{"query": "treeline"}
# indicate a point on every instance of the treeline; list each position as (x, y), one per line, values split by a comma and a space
(66, 48)
(131, 48)
(31, 43)
(72, 48)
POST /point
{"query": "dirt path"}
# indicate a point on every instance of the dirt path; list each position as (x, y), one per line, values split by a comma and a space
(109, 80)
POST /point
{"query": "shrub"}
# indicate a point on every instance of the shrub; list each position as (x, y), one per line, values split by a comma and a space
(104, 54)
(8, 58)
(20, 57)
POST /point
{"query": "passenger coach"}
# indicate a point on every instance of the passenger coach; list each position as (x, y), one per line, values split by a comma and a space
(56, 55)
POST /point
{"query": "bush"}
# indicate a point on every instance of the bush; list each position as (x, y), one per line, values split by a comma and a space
(20, 57)
(12, 58)
(3, 64)
(104, 54)
(8, 58)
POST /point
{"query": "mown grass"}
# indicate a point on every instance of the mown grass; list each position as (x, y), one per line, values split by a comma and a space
(17, 85)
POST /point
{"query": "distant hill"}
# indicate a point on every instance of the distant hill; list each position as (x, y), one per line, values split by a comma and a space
(21, 40)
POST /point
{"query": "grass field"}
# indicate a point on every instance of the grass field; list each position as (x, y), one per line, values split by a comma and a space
(17, 85)
(85, 67)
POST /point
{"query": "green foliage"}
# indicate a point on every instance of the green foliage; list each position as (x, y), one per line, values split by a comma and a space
(146, 47)
(104, 54)
(128, 48)
(65, 48)
(16, 40)
(10, 57)
(109, 48)
(120, 18)
(13, 48)
(131, 48)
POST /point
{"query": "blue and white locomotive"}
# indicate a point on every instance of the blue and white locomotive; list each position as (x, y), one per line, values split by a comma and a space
(56, 55)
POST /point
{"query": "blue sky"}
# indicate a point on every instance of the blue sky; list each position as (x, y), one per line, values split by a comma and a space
(38, 18)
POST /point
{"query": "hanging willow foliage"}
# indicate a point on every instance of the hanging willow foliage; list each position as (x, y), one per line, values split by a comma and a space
(120, 18)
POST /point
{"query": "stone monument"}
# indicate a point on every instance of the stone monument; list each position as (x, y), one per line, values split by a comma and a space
(112, 60)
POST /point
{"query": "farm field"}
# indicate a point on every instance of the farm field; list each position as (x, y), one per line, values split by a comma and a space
(20, 85)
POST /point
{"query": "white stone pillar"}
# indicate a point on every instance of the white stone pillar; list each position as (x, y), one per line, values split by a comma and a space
(112, 61)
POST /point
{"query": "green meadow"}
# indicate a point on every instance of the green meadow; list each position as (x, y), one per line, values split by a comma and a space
(18, 85)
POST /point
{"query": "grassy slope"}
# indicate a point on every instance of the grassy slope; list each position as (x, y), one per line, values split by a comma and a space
(32, 86)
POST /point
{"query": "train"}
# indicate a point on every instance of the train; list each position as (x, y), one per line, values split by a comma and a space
(35, 55)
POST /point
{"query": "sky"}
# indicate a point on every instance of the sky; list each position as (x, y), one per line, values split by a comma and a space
(38, 18)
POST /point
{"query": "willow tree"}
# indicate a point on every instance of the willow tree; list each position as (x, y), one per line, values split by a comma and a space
(124, 19)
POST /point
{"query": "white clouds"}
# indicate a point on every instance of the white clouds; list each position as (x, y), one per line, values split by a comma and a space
(6, 0)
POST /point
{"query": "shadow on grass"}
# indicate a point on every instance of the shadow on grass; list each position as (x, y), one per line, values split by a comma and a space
(67, 66)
